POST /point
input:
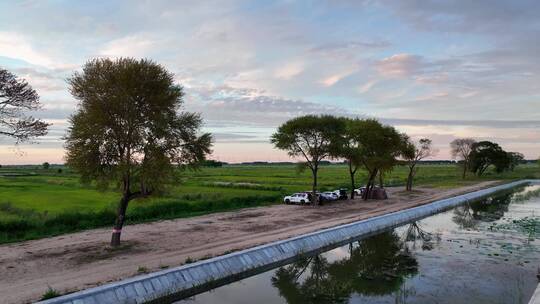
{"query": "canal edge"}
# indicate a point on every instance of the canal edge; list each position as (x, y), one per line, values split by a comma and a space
(190, 277)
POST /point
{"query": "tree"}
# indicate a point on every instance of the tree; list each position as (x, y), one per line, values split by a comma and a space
(16, 98)
(312, 137)
(46, 165)
(461, 150)
(351, 150)
(515, 158)
(128, 129)
(413, 153)
(376, 147)
(485, 154)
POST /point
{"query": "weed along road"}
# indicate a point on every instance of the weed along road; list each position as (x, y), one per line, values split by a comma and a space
(82, 260)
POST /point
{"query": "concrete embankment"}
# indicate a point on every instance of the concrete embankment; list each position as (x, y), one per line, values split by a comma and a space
(535, 299)
(185, 280)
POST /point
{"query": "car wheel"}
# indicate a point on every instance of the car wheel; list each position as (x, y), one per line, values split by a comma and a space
(287, 201)
(302, 202)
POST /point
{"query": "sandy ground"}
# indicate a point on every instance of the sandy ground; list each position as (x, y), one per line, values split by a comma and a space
(80, 260)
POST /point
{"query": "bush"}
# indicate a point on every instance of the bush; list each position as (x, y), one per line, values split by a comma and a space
(49, 294)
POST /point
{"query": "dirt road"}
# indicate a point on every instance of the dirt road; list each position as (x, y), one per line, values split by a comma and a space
(80, 260)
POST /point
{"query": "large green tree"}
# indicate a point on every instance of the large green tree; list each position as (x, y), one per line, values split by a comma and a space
(129, 129)
(17, 98)
(486, 153)
(376, 147)
(413, 153)
(311, 137)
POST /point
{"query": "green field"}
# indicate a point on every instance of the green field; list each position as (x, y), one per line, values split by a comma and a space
(36, 203)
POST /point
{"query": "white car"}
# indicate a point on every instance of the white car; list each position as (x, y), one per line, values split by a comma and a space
(359, 191)
(301, 198)
(329, 195)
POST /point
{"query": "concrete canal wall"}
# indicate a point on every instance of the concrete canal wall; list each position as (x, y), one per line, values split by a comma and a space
(189, 278)
(535, 299)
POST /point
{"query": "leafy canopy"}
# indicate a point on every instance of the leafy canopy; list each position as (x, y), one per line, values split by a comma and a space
(376, 146)
(16, 98)
(312, 137)
(485, 154)
(128, 127)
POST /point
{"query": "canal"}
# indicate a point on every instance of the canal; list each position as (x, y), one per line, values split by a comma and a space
(485, 251)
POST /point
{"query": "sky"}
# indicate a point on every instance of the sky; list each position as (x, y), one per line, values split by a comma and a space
(433, 68)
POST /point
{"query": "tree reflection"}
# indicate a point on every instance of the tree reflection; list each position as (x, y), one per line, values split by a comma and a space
(486, 210)
(414, 234)
(464, 218)
(375, 266)
(492, 208)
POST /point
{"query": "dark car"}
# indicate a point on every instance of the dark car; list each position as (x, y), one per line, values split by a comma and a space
(342, 194)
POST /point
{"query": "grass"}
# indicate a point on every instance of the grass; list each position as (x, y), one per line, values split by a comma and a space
(49, 294)
(36, 203)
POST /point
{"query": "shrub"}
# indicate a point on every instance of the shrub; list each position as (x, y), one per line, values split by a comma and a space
(50, 293)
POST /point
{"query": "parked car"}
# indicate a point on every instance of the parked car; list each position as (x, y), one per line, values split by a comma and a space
(359, 191)
(297, 198)
(329, 196)
(342, 194)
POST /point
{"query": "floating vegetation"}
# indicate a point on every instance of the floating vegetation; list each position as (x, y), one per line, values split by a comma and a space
(530, 226)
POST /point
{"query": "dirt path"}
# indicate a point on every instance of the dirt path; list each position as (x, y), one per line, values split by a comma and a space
(81, 260)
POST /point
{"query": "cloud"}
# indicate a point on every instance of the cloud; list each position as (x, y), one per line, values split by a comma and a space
(335, 78)
(289, 70)
(133, 45)
(251, 106)
(43, 81)
(367, 86)
(16, 46)
(255, 65)
(349, 45)
(497, 18)
(400, 65)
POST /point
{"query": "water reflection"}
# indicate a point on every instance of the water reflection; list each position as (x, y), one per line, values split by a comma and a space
(375, 266)
(491, 209)
(414, 234)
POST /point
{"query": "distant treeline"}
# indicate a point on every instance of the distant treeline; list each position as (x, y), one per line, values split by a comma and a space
(215, 163)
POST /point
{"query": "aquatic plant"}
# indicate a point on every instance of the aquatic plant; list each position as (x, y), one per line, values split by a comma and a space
(529, 226)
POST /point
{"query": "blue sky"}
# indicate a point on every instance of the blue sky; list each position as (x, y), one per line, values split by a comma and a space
(438, 69)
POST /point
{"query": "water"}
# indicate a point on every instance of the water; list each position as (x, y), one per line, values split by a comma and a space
(483, 252)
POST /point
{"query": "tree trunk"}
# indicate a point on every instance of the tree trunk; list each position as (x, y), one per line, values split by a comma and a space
(465, 167)
(120, 217)
(369, 185)
(314, 199)
(410, 179)
(351, 172)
